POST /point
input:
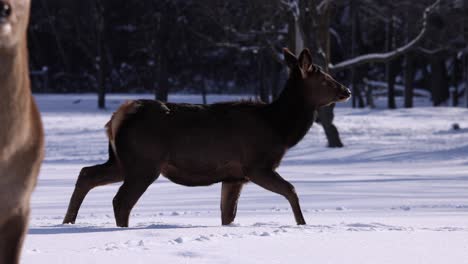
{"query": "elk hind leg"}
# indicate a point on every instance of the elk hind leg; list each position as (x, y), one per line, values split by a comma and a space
(89, 178)
(137, 180)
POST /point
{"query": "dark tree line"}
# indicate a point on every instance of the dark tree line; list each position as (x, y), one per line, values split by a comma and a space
(209, 46)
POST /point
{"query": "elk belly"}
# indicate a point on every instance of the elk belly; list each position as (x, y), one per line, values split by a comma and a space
(202, 174)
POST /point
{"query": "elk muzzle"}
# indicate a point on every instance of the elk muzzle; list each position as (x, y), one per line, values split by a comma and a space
(343, 95)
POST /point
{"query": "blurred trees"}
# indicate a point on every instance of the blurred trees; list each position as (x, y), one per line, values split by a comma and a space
(234, 46)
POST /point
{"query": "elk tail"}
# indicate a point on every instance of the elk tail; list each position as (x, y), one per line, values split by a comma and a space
(116, 121)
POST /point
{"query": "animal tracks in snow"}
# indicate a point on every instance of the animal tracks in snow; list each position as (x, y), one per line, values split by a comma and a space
(266, 230)
(133, 245)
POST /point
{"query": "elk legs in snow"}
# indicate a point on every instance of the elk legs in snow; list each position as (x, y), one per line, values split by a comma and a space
(89, 178)
(230, 194)
(136, 181)
(272, 181)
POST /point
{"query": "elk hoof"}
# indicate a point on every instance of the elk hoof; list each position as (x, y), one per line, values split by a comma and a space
(69, 220)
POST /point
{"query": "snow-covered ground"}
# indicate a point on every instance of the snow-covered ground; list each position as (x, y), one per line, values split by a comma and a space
(397, 193)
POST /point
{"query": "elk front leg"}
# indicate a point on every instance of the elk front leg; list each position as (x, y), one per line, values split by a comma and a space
(89, 178)
(272, 181)
(230, 193)
(12, 234)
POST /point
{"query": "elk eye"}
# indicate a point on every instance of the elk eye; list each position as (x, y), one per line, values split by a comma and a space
(5, 10)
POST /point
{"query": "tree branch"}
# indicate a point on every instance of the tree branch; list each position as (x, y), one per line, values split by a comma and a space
(433, 51)
(387, 56)
(293, 7)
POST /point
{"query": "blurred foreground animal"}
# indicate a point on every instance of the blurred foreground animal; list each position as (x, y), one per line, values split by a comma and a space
(197, 145)
(21, 134)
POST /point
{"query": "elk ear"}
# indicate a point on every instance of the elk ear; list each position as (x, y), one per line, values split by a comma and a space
(305, 60)
(290, 59)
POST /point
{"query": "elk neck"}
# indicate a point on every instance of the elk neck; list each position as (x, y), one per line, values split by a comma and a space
(15, 94)
(290, 114)
(14, 74)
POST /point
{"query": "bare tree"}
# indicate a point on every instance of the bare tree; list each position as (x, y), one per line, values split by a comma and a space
(98, 15)
(392, 54)
(314, 18)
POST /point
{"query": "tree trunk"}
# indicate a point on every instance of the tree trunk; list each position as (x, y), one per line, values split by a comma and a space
(390, 72)
(369, 95)
(325, 118)
(354, 87)
(317, 39)
(275, 87)
(203, 88)
(357, 95)
(455, 70)
(409, 65)
(409, 77)
(389, 67)
(326, 114)
(439, 81)
(357, 98)
(100, 63)
(100, 76)
(354, 79)
(155, 53)
(162, 92)
(262, 77)
(465, 70)
(101, 86)
(291, 33)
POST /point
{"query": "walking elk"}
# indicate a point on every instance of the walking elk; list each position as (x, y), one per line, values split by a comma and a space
(21, 135)
(198, 145)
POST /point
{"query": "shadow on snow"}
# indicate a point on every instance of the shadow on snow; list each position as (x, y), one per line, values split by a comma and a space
(71, 229)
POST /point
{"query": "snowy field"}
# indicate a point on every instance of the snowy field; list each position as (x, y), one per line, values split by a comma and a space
(397, 193)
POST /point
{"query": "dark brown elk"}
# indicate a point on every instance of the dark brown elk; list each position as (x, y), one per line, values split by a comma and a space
(198, 145)
(21, 135)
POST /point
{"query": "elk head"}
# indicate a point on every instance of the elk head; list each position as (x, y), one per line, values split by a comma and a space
(14, 18)
(317, 87)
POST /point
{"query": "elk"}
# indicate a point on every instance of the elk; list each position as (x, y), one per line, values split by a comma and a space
(198, 145)
(21, 134)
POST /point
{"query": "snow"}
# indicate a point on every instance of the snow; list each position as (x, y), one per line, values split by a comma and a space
(397, 193)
